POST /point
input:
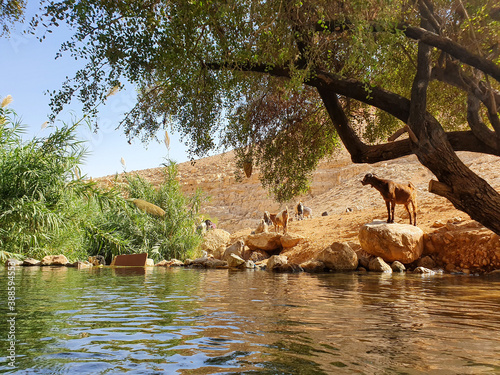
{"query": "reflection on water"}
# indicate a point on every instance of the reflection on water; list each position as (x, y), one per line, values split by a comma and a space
(106, 321)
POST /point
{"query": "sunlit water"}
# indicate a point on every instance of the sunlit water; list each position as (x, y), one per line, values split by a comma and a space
(184, 321)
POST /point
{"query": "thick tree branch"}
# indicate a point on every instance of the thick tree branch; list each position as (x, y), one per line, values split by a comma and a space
(418, 104)
(432, 39)
(451, 75)
(478, 127)
(394, 104)
(453, 49)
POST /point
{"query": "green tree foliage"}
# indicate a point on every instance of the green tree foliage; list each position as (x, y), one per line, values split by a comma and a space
(429, 67)
(10, 12)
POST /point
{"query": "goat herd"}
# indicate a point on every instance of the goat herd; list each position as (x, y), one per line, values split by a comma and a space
(392, 192)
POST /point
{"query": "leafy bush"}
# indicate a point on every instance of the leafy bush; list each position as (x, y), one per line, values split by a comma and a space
(47, 208)
(126, 229)
(39, 192)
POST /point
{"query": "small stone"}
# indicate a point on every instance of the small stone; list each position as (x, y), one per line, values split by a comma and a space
(397, 266)
(378, 265)
(424, 270)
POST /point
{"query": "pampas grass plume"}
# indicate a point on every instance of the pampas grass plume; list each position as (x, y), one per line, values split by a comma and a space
(6, 101)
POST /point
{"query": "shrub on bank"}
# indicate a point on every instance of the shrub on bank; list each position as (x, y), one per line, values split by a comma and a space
(127, 229)
(46, 207)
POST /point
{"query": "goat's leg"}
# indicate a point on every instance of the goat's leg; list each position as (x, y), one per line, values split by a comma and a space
(414, 206)
(407, 206)
(393, 207)
(388, 204)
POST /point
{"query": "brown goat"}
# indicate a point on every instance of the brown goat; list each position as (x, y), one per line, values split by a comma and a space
(280, 220)
(393, 194)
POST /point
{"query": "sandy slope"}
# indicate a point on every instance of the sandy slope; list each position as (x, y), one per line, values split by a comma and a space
(348, 203)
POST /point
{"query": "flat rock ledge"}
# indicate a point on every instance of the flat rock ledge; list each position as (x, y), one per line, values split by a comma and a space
(392, 242)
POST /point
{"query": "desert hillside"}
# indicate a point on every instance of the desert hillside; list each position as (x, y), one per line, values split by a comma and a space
(336, 189)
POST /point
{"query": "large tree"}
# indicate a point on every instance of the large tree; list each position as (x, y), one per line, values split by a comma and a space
(282, 81)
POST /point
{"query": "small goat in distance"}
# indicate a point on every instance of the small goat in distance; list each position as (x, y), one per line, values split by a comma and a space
(280, 220)
(394, 193)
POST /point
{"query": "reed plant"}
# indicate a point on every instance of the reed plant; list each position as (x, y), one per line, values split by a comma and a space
(128, 229)
(47, 207)
(40, 196)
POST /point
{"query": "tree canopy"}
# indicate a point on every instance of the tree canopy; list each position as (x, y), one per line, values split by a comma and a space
(10, 11)
(283, 82)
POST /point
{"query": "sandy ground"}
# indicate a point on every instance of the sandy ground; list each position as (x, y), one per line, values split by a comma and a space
(367, 204)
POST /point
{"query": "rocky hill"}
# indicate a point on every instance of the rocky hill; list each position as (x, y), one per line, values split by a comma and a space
(335, 188)
(238, 206)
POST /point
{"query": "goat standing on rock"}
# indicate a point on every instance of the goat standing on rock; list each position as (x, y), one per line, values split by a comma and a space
(393, 194)
(280, 220)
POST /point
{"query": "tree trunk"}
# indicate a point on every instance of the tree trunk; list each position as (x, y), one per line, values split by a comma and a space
(462, 187)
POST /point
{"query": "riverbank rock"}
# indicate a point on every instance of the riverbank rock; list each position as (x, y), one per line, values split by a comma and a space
(391, 242)
(30, 262)
(464, 245)
(424, 270)
(13, 262)
(379, 265)
(313, 266)
(339, 256)
(398, 266)
(234, 261)
(54, 260)
(215, 242)
(289, 240)
(277, 262)
(207, 262)
(236, 248)
(264, 241)
(82, 265)
(170, 263)
(258, 256)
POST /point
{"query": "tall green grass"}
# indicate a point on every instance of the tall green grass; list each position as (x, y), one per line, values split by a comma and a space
(47, 208)
(126, 229)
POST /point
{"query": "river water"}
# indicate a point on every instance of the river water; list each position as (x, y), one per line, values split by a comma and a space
(186, 321)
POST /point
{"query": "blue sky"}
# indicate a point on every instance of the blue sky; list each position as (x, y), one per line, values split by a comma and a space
(28, 69)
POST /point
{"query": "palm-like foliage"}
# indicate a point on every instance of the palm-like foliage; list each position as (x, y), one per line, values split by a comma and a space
(46, 207)
(34, 179)
(125, 229)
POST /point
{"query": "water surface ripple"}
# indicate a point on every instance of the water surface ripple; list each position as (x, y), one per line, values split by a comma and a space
(183, 321)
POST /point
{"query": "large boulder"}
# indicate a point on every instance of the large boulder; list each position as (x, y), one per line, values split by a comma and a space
(215, 242)
(391, 242)
(339, 257)
(264, 241)
(290, 240)
(54, 260)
